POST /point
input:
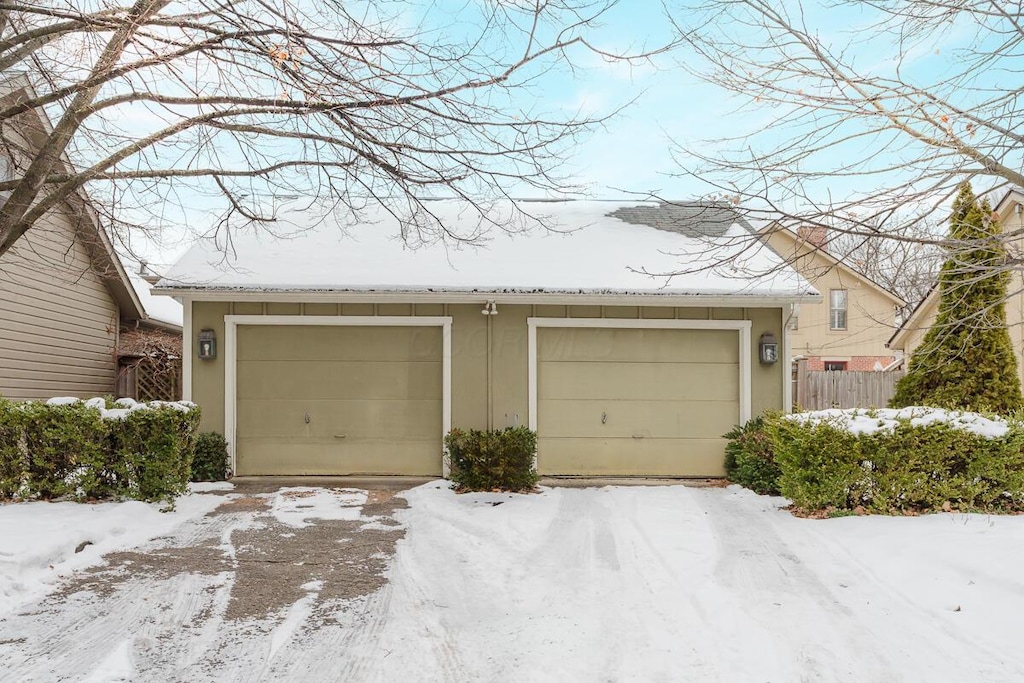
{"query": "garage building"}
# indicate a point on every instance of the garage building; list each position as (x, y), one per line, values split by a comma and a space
(628, 334)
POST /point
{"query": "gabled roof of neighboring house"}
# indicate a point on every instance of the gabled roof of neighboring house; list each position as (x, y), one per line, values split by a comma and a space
(90, 231)
(925, 305)
(624, 248)
(774, 228)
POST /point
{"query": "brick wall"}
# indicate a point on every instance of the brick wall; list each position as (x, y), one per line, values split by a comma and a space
(853, 364)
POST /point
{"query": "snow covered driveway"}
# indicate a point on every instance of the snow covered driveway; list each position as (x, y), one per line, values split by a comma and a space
(612, 584)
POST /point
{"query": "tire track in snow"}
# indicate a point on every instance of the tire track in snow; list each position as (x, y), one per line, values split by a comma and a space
(942, 641)
(768, 578)
(592, 548)
(757, 561)
(66, 633)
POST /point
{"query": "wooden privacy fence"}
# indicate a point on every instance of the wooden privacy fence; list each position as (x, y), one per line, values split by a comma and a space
(817, 390)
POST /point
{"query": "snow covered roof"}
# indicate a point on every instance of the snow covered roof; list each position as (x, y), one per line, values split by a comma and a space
(160, 309)
(533, 247)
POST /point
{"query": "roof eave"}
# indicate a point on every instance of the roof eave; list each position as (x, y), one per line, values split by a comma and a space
(102, 249)
(456, 296)
(775, 228)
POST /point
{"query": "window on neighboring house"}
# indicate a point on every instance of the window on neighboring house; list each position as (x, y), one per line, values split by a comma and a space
(835, 365)
(837, 309)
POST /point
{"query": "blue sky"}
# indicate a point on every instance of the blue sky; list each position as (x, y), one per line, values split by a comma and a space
(631, 153)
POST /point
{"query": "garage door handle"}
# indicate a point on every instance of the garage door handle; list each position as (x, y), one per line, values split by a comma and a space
(340, 436)
(638, 436)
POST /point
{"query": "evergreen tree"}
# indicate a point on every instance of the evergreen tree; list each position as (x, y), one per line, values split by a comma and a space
(966, 359)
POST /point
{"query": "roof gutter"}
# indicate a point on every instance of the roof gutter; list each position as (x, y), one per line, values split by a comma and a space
(441, 297)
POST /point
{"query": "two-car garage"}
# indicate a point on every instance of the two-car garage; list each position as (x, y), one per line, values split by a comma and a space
(373, 395)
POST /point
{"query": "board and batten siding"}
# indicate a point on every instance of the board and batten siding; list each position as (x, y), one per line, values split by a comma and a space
(490, 389)
(58, 320)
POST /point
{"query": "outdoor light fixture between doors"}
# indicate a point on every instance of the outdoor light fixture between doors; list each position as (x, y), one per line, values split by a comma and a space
(490, 308)
(207, 344)
(768, 349)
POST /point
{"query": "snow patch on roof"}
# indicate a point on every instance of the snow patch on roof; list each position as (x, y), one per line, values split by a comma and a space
(160, 308)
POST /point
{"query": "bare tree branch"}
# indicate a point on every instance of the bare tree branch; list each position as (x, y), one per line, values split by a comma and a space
(236, 104)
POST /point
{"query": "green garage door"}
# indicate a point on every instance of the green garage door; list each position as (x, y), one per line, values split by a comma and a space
(338, 400)
(635, 402)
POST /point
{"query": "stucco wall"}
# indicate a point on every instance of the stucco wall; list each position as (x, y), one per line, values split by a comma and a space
(488, 390)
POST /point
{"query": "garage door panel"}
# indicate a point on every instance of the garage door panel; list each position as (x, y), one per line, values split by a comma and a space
(636, 402)
(338, 343)
(629, 457)
(373, 395)
(412, 457)
(638, 381)
(637, 345)
(339, 379)
(333, 419)
(603, 418)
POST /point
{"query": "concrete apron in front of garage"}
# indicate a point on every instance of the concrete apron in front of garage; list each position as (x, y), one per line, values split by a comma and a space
(214, 595)
(397, 483)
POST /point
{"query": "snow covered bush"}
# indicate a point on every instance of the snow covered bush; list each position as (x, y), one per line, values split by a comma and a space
(750, 458)
(210, 462)
(912, 459)
(495, 459)
(66, 447)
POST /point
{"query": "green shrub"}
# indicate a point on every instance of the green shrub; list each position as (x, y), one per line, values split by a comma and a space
(819, 464)
(495, 459)
(13, 456)
(904, 468)
(210, 462)
(70, 448)
(153, 451)
(750, 458)
(66, 445)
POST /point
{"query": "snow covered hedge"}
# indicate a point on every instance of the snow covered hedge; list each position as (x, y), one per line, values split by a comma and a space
(92, 449)
(910, 459)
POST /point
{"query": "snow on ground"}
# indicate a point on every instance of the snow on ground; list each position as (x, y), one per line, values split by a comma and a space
(43, 542)
(611, 584)
(679, 583)
(296, 505)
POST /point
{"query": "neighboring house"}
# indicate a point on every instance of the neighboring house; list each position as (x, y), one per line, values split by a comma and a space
(1010, 210)
(63, 292)
(344, 351)
(850, 330)
(68, 308)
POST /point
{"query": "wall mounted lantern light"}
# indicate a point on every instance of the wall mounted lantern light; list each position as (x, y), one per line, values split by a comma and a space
(207, 344)
(768, 349)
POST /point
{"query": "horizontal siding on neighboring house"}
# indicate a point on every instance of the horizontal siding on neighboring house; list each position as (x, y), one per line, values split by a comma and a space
(58, 321)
